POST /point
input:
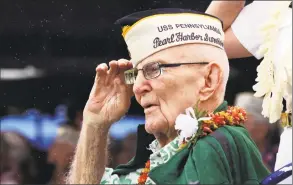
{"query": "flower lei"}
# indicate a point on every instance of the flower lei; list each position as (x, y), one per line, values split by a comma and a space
(144, 173)
(274, 81)
(191, 129)
(233, 116)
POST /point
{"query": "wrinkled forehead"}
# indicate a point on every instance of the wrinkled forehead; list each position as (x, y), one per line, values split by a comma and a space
(163, 57)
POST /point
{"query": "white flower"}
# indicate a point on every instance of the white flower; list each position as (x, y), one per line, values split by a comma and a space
(187, 124)
(274, 74)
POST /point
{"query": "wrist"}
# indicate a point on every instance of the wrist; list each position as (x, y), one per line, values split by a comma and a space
(96, 124)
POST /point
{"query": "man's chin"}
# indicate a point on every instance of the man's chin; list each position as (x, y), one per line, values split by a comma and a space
(153, 125)
(149, 128)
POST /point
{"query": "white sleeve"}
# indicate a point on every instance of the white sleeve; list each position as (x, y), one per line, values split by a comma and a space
(248, 25)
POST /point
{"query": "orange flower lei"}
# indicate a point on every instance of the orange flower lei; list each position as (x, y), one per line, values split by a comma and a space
(232, 116)
(144, 173)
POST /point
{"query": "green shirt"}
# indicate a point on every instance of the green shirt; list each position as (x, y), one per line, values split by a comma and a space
(227, 156)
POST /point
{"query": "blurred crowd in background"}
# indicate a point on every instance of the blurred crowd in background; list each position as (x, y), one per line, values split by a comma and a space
(37, 148)
(24, 159)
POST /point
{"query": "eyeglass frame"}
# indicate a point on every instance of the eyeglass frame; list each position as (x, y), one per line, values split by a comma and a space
(161, 66)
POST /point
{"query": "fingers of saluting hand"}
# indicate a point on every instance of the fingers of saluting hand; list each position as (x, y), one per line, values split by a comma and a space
(117, 69)
(114, 69)
(124, 64)
(101, 74)
(104, 75)
(100, 78)
(112, 75)
(113, 72)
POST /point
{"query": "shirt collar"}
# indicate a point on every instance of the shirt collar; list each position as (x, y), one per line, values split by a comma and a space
(143, 151)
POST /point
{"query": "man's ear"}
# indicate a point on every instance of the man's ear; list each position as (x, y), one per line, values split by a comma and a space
(212, 80)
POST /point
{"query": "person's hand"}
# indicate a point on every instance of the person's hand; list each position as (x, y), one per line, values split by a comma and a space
(110, 97)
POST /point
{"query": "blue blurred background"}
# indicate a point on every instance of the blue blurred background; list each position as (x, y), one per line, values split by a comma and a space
(41, 129)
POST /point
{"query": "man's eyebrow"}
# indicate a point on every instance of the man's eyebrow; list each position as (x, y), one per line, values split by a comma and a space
(160, 60)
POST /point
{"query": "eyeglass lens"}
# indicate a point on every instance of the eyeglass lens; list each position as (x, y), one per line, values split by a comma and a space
(150, 71)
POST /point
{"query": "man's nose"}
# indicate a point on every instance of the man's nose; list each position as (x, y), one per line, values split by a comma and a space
(141, 84)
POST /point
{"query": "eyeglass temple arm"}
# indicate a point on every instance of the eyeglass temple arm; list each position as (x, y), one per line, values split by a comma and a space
(179, 64)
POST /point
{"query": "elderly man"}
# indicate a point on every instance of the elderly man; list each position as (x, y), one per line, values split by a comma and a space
(266, 34)
(179, 65)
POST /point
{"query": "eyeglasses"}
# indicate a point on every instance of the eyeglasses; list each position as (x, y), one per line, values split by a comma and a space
(152, 70)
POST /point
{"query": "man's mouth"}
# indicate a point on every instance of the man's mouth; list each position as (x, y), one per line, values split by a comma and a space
(149, 107)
